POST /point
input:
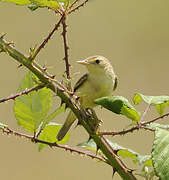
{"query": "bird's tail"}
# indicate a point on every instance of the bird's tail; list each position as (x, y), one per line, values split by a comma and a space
(66, 126)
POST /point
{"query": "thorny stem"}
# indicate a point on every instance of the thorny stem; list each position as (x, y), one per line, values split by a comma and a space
(42, 45)
(64, 25)
(77, 8)
(27, 91)
(160, 117)
(73, 4)
(54, 144)
(134, 128)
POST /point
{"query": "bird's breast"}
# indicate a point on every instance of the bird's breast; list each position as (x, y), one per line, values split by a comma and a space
(94, 88)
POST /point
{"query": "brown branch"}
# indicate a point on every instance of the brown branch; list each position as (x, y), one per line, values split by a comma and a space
(42, 45)
(146, 128)
(71, 149)
(54, 144)
(78, 7)
(134, 128)
(27, 91)
(120, 132)
(73, 4)
(160, 117)
(64, 25)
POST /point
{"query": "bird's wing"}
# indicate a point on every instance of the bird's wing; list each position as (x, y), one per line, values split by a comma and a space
(115, 83)
(80, 82)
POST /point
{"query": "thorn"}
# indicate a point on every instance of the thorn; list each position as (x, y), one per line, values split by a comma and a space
(53, 76)
(71, 93)
(11, 44)
(62, 90)
(78, 124)
(3, 35)
(116, 150)
(26, 92)
(97, 149)
(44, 68)
(114, 171)
(20, 65)
(66, 25)
(14, 98)
(90, 137)
(77, 97)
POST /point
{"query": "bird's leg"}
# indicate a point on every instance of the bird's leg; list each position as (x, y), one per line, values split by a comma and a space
(95, 123)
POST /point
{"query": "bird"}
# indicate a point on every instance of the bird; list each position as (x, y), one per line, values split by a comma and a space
(100, 81)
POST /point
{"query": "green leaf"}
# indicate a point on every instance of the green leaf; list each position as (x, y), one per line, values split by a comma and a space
(54, 114)
(89, 145)
(160, 153)
(136, 157)
(34, 4)
(119, 105)
(159, 101)
(160, 107)
(3, 126)
(18, 2)
(121, 151)
(46, 3)
(152, 100)
(147, 173)
(64, 3)
(31, 110)
(157, 125)
(32, 7)
(49, 134)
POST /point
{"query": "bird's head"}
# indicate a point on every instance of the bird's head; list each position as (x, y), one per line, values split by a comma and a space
(96, 63)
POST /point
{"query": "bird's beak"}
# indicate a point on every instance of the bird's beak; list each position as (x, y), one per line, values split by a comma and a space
(84, 62)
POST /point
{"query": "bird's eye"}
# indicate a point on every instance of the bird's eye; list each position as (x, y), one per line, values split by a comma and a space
(97, 61)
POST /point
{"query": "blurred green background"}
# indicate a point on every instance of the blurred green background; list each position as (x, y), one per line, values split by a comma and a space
(134, 35)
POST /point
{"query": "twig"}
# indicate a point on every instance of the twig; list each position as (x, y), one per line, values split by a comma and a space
(65, 47)
(146, 128)
(73, 4)
(160, 117)
(133, 128)
(27, 91)
(144, 114)
(42, 45)
(54, 144)
(71, 149)
(77, 8)
(120, 132)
